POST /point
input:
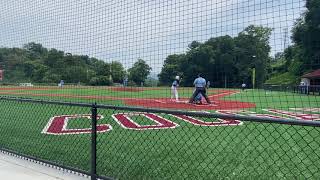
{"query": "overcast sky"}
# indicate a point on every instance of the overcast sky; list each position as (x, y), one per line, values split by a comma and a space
(125, 30)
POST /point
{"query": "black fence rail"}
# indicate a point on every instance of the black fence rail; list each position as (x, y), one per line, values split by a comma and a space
(310, 90)
(112, 142)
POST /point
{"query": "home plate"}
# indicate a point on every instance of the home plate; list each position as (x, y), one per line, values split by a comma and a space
(204, 104)
(160, 101)
(183, 102)
(187, 102)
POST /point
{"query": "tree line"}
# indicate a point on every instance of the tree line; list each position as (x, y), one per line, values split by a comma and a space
(37, 64)
(224, 61)
(303, 55)
(230, 61)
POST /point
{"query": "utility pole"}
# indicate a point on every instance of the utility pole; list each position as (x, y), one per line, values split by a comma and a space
(110, 77)
(254, 73)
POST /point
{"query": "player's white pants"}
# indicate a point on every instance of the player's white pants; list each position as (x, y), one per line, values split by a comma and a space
(174, 93)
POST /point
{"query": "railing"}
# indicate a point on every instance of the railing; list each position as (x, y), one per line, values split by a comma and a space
(310, 90)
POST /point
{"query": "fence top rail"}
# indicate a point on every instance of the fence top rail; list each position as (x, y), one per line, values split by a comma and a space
(174, 112)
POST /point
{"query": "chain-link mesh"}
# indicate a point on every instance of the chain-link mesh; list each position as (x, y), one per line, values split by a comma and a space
(132, 53)
(212, 151)
(151, 144)
(46, 132)
(184, 147)
(250, 59)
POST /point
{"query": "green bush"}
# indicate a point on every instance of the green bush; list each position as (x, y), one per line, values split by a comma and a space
(100, 81)
(283, 79)
(132, 84)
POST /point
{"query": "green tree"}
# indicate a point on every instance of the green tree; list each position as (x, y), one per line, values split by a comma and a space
(194, 44)
(171, 68)
(139, 72)
(221, 68)
(253, 52)
(34, 70)
(306, 35)
(35, 50)
(117, 71)
(100, 81)
(54, 58)
(35, 63)
(223, 60)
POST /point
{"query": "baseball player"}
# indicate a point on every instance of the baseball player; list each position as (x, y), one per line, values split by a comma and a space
(61, 83)
(200, 85)
(243, 86)
(174, 89)
(125, 81)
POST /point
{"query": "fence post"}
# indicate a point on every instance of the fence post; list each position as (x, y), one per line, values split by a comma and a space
(94, 141)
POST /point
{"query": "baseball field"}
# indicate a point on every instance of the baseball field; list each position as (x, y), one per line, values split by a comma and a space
(141, 145)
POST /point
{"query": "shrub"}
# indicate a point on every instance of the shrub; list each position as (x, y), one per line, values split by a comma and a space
(100, 81)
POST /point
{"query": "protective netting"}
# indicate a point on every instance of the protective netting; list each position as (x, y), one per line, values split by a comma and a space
(134, 53)
(257, 59)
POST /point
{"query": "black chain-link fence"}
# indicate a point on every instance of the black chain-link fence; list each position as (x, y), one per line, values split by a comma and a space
(138, 143)
(184, 89)
(306, 90)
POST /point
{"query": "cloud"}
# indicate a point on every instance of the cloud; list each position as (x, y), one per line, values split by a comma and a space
(128, 30)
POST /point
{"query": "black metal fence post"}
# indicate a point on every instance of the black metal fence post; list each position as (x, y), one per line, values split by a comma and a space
(94, 142)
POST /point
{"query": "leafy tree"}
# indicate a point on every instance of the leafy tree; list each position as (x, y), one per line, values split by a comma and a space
(35, 63)
(51, 77)
(35, 51)
(34, 70)
(151, 82)
(223, 60)
(139, 72)
(304, 55)
(117, 71)
(54, 58)
(197, 60)
(306, 35)
(100, 81)
(194, 44)
(254, 51)
(171, 68)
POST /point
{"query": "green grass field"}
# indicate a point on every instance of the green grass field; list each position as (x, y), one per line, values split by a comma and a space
(247, 151)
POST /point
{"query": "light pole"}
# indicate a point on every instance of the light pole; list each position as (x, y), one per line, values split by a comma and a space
(87, 75)
(2, 67)
(110, 78)
(253, 72)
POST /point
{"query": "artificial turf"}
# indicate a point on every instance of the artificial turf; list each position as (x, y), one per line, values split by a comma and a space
(248, 151)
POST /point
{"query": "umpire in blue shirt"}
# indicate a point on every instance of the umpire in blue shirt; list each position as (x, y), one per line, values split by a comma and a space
(200, 84)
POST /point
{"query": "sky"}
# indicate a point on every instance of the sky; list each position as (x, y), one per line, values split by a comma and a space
(126, 30)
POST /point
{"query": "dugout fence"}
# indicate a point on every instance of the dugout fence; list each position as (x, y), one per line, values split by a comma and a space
(307, 90)
(111, 142)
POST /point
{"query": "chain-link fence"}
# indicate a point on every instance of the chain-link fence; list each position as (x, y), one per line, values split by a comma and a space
(138, 143)
(192, 89)
(255, 55)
